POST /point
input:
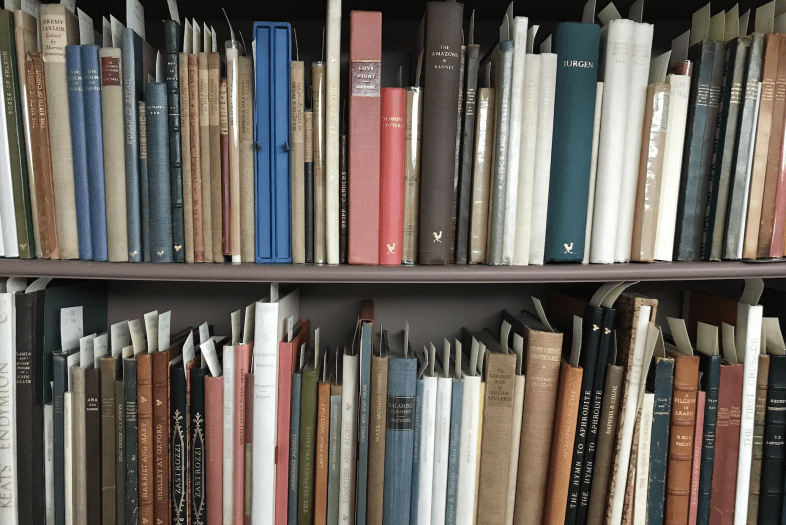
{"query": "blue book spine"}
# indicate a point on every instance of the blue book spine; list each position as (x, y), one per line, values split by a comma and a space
(159, 196)
(95, 151)
(659, 447)
(333, 459)
(271, 134)
(294, 443)
(144, 188)
(399, 441)
(132, 94)
(710, 383)
(413, 507)
(453, 454)
(363, 411)
(76, 109)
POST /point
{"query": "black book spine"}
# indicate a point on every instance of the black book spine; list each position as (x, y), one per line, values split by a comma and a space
(93, 444)
(710, 383)
(132, 460)
(59, 386)
(772, 465)
(120, 474)
(172, 36)
(594, 416)
(343, 193)
(691, 205)
(467, 150)
(197, 452)
(29, 409)
(593, 321)
(662, 385)
(179, 445)
(159, 185)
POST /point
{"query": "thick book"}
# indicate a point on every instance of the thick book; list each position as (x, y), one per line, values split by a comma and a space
(172, 39)
(724, 474)
(467, 157)
(377, 435)
(710, 366)
(110, 370)
(772, 470)
(159, 184)
(178, 457)
(8, 461)
(365, 53)
(272, 166)
(130, 445)
(162, 469)
(197, 451)
(482, 167)
(577, 47)
(391, 175)
(185, 158)
(758, 438)
(443, 41)
(76, 105)
(772, 176)
(214, 441)
(414, 137)
(132, 94)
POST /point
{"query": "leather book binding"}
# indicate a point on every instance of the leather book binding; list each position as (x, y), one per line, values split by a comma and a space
(195, 155)
(144, 386)
(727, 444)
(162, 470)
(131, 435)
(172, 39)
(391, 177)
(197, 454)
(772, 470)
(214, 449)
(709, 366)
(178, 457)
(696, 467)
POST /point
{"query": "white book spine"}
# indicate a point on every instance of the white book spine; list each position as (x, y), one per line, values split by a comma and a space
(468, 456)
(426, 451)
(8, 486)
(617, 45)
(749, 320)
(514, 136)
(49, 463)
(439, 491)
(593, 171)
(349, 395)
(513, 468)
(628, 420)
(528, 146)
(233, 91)
(333, 110)
(2, 249)
(10, 240)
(540, 189)
(748, 175)
(68, 455)
(643, 463)
(672, 162)
(229, 434)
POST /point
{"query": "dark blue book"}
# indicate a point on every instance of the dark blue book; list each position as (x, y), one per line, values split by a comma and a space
(76, 111)
(454, 451)
(294, 450)
(271, 133)
(361, 484)
(772, 464)
(161, 246)
(413, 507)
(172, 39)
(91, 77)
(577, 48)
(131, 445)
(661, 382)
(400, 440)
(709, 366)
(132, 94)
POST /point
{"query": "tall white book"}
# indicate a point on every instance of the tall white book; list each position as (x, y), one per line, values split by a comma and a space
(49, 463)
(426, 451)
(519, 38)
(637, 96)
(349, 396)
(8, 488)
(2, 249)
(441, 448)
(545, 129)
(528, 147)
(643, 461)
(68, 455)
(593, 171)
(468, 457)
(332, 114)
(672, 162)
(229, 434)
(616, 47)
(269, 329)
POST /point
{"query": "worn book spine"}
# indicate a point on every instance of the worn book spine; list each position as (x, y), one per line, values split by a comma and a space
(772, 471)
(110, 368)
(365, 42)
(120, 456)
(377, 435)
(59, 386)
(318, 129)
(243, 354)
(441, 71)
(162, 497)
(131, 428)
(710, 380)
(204, 151)
(214, 440)
(216, 208)
(343, 187)
(179, 446)
(467, 158)
(391, 175)
(144, 181)
(724, 475)
(197, 453)
(659, 448)
(144, 382)
(307, 447)
(696, 467)
(414, 137)
(172, 39)
(481, 170)
(223, 122)
(159, 184)
(78, 445)
(334, 456)
(196, 158)
(233, 112)
(322, 454)
(247, 157)
(297, 153)
(133, 82)
(758, 439)
(185, 157)
(308, 185)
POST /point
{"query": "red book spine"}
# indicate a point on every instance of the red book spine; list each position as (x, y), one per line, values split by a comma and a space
(242, 368)
(365, 53)
(249, 380)
(727, 445)
(696, 469)
(391, 175)
(214, 444)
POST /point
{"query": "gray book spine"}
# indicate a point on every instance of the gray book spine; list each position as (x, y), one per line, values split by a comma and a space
(453, 453)
(413, 508)
(333, 459)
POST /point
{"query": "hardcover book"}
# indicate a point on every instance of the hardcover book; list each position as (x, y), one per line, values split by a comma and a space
(391, 179)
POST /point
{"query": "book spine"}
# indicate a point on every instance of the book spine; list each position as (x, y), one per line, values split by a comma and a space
(468, 455)
(204, 154)
(247, 155)
(399, 441)
(442, 43)
(132, 94)
(216, 160)
(288, 423)
(242, 368)
(643, 459)
(76, 103)
(333, 145)
(195, 155)
(179, 446)
(162, 500)
(230, 384)
(659, 448)
(68, 452)
(364, 385)
(214, 441)
(773, 449)
(391, 179)
(481, 173)
(498, 184)
(414, 137)
(710, 384)
(248, 379)
(307, 449)
(724, 475)
(334, 459)
(161, 245)
(78, 444)
(226, 214)
(59, 386)
(441, 449)
(349, 415)
(318, 141)
(197, 453)
(308, 184)
(571, 153)
(92, 443)
(131, 430)
(515, 443)
(172, 38)
(233, 111)
(297, 159)
(594, 172)
(48, 446)
(120, 455)
(456, 411)
(343, 187)
(696, 468)
(377, 435)
(364, 131)
(777, 202)
(758, 439)
(144, 180)
(322, 454)
(109, 371)
(420, 386)
(457, 163)
(185, 158)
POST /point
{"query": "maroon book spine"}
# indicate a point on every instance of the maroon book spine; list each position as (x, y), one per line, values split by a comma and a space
(391, 175)
(365, 53)
(727, 445)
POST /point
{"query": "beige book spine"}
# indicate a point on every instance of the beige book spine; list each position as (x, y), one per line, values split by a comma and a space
(412, 175)
(196, 157)
(318, 94)
(246, 92)
(515, 442)
(204, 148)
(479, 208)
(297, 155)
(332, 148)
(480, 442)
(213, 73)
(234, 152)
(185, 147)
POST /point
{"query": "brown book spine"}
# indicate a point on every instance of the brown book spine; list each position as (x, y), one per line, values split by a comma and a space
(110, 367)
(144, 395)
(412, 175)
(120, 446)
(562, 444)
(376, 446)
(214, 445)
(246, 113)
(93, 445)
(318, 128)
(758, 438)
(248, 379)
(727, 445)
(495, 447)
(213, 68)
(196, 158)
(542, 364)
(683, 422)
(204, 150)
(185, 146)
(761, 149)
(223, 122)
(297, 155)
(162, 497)
(322, 454)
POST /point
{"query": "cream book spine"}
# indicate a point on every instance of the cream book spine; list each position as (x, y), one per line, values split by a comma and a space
(204, 142)
(349, 396)
(593, 171)
(228, 368)
(68, 455)
(643, 461)
(426, 451)
(441, 449)
(6, 190)
(185, 141)
(515, 442)
(8, 487)
(49, 463)
(233, 99)
(332, 115)
(245, 73)
(545, 129)
(468, 457)
(297, 159)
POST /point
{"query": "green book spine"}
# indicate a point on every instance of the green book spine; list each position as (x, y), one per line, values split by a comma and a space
(308, 428)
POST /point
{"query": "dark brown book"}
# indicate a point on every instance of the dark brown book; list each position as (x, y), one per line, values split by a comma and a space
(110, 370)
(762, 379)
(144, 400)
(162, 466)
(727, 445)
(93, 445)
(196, 158)
(214, 131)
(683, 422)
(376, 446)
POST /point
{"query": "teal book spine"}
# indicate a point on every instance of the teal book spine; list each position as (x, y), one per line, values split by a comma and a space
(577, 46)
(294, 448)
(160, 213)
(334, 451)
(453, 454)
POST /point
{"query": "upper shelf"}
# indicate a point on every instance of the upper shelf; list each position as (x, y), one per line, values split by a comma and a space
(308, 273)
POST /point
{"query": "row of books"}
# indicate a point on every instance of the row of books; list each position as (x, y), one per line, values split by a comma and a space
(584, 415)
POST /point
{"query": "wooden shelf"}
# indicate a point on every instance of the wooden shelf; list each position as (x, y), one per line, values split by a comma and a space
(308, 273)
